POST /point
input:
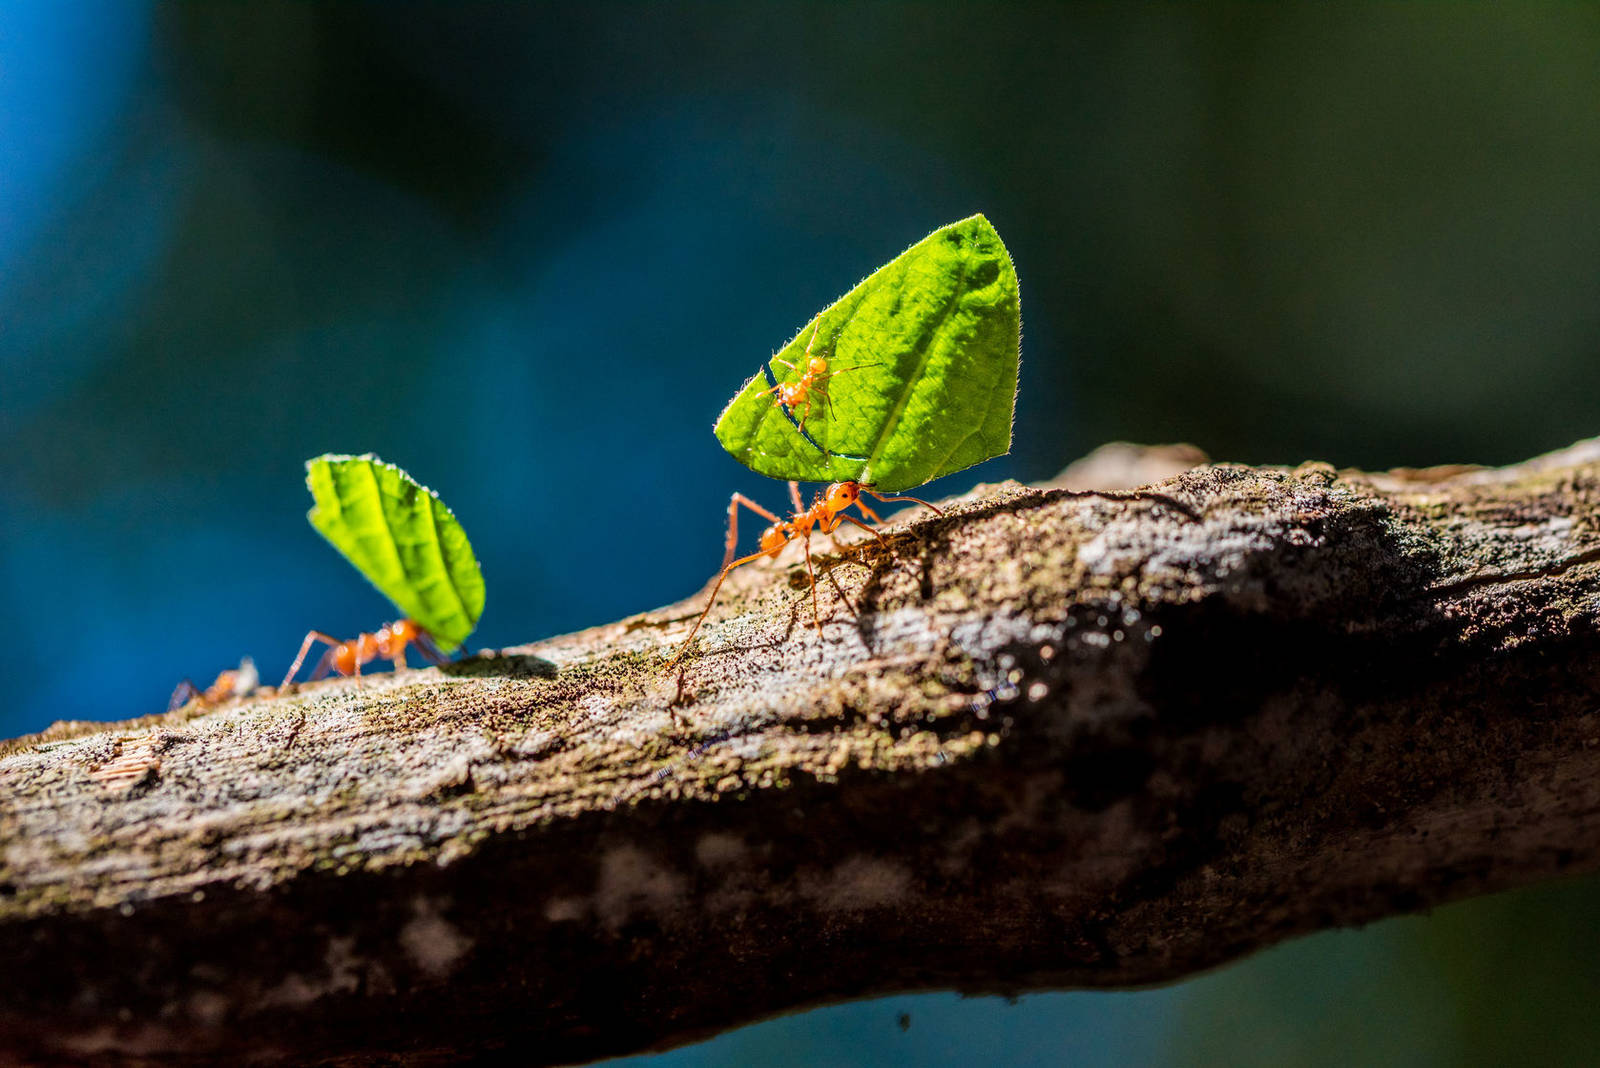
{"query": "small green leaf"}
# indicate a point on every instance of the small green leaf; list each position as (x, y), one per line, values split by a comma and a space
(922, 360)
(400, 535)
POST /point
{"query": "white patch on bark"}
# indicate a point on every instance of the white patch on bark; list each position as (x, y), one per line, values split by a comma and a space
(720, 850)
(859, 883)
(631, 881)
(431, 942)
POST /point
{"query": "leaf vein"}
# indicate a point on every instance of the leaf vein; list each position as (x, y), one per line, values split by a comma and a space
(886, 432)
(390, 543)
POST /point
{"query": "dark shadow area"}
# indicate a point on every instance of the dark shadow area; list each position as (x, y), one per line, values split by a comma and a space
(489, 664)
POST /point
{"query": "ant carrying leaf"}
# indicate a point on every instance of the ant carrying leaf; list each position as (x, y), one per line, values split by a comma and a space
(932, 341)
(400, 535)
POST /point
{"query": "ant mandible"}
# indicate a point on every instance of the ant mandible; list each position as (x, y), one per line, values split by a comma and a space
(814, 380)
(827, 511)
(347, 657)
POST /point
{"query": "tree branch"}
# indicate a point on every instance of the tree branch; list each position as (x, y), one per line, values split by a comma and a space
(1066, 740)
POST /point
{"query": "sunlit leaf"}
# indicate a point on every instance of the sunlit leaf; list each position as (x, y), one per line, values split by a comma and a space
(402, 538)
(922, 372)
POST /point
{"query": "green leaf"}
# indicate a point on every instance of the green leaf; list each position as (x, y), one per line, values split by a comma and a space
(922, 360)
(400, 535)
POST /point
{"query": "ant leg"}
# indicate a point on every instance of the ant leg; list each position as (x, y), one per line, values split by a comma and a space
(324, 666)
(826, 400)
(305, 647)
(430, 650)
(775, 377)
(733, 522)
(794, 497)
(870, 530)
(914, 500)
(816, 614)
(816, 324)
(846, 552)
(709, 602)
(399, 658)
(182, 694)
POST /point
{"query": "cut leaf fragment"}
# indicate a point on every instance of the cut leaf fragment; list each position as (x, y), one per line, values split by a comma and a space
(922, 372)
(399, 534)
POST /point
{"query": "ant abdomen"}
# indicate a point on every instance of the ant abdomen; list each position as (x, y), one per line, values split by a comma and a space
(773, 539)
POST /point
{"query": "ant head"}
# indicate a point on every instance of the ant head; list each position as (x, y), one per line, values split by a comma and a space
(842, 495)
(817, 365)
(404, 629)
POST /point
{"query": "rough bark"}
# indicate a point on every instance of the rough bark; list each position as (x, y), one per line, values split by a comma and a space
(1063, 740)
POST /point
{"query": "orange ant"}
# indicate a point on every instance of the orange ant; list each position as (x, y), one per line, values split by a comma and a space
(347, 657)
(239, 682)
(797, 394)
(824, 515)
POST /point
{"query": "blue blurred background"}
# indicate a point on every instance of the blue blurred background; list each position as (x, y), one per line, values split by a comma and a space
(528, 252)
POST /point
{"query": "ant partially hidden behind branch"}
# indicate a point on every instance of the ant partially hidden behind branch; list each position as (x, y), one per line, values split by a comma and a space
(824, 515)
(347, 657)
(239, 682)
(812, 382)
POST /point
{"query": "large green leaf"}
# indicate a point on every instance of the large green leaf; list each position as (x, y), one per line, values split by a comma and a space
(400, 535)
(922, 358)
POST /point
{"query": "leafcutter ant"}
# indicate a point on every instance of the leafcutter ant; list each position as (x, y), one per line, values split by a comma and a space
(827, 511)
(347, 657)
(239, 682)
(813, 382)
